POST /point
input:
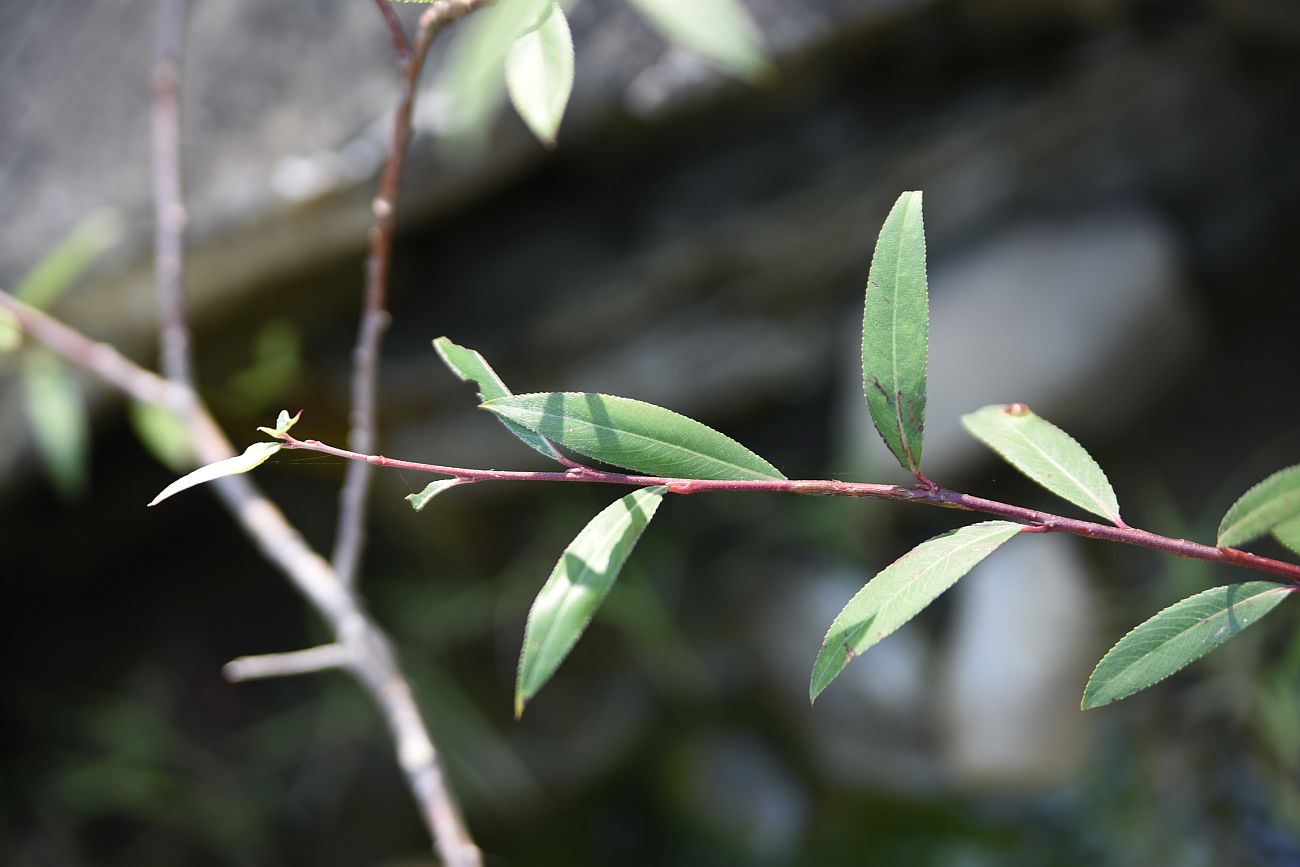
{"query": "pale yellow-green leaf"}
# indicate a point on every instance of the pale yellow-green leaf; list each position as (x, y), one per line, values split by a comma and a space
(253, 456)
(539, 74)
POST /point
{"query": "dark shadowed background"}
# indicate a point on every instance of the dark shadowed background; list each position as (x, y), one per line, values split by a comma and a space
(1111, 191)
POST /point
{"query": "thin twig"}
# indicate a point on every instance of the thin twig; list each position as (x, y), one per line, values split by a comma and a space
(930, 493)
(169, 207)
(364, 644)
(349, 540)
(308, 661)
(401, 44)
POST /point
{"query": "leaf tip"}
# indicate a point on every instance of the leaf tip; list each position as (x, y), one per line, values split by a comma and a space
(519, 706)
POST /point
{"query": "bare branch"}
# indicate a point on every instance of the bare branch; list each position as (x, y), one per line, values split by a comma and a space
(349, 540)
(169, 207)
(401, 44)
(309, 661)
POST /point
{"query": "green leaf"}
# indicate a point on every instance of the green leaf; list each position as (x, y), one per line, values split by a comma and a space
(577, 585)
(474, 74)
(253, 456)
(62, 267)
(1177, 636)
(470, 367)
(1270, 503)
(635, 435)
(431, 490)
(896, 332)
(11, 335)
(1288, 533)
(163, 433)
(1046, 454)
(56, 411)
(901, 591)
(283, 424)
(720, 31)
(539, 74)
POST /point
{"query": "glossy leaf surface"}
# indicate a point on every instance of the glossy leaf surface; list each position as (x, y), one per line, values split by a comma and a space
(577, 585)
(901, 591)
(1046, 454)
(720, 31)
(253, 456)
(1182, 633)
(471, 367)
(1274, 501)
(539, 74)
(896, 332)
(635, 435)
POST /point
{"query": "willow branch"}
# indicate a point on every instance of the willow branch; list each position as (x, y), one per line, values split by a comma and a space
(349, 540)
(308, 661)
(401, 44)
(169, 206)
(930, 493)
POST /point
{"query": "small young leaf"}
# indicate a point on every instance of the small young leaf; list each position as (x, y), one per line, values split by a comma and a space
(1177, 636)
(896, 332)
(1270, 503)
(577, 585)
(163, 434)
(431, 490)
(1046, 454)
(720, 31)
(253, 456)
(901, 591)
(539, 74)
(635, 435)
(470, 367)
(57, 413)
(283, 424)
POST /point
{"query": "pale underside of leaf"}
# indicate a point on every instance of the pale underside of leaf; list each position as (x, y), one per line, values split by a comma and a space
(431, 490)
(901, 591)
(471, 367)
(634, 435)
(253, 456)
(1046, 454)
(539, 74)
(720, 31)
(895, 332)
(577, 585)
(1272, 502)
(1177, 636)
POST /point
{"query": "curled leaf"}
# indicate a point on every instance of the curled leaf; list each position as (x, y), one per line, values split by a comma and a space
(253, 456)
(431, 490)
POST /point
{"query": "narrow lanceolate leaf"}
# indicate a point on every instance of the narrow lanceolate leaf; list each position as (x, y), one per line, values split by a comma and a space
(578, 584)
(1273, 501)
(1177, 636)
(896, 332)
(56, 411)
(253, 456)
(634, 435)
(63, 266)
(1046, 454)
(163, 433)
(720, 31)
(898, 594)
(539, 74)
(431, 490)
(472, 368)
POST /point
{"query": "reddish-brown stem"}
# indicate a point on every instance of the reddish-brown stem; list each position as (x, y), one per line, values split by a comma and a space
(401, 44)
(350, 536)
(929, 493)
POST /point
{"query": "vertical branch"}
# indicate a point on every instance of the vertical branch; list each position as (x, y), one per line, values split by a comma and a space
(400, 43)
(169, 207)
(350, 537)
